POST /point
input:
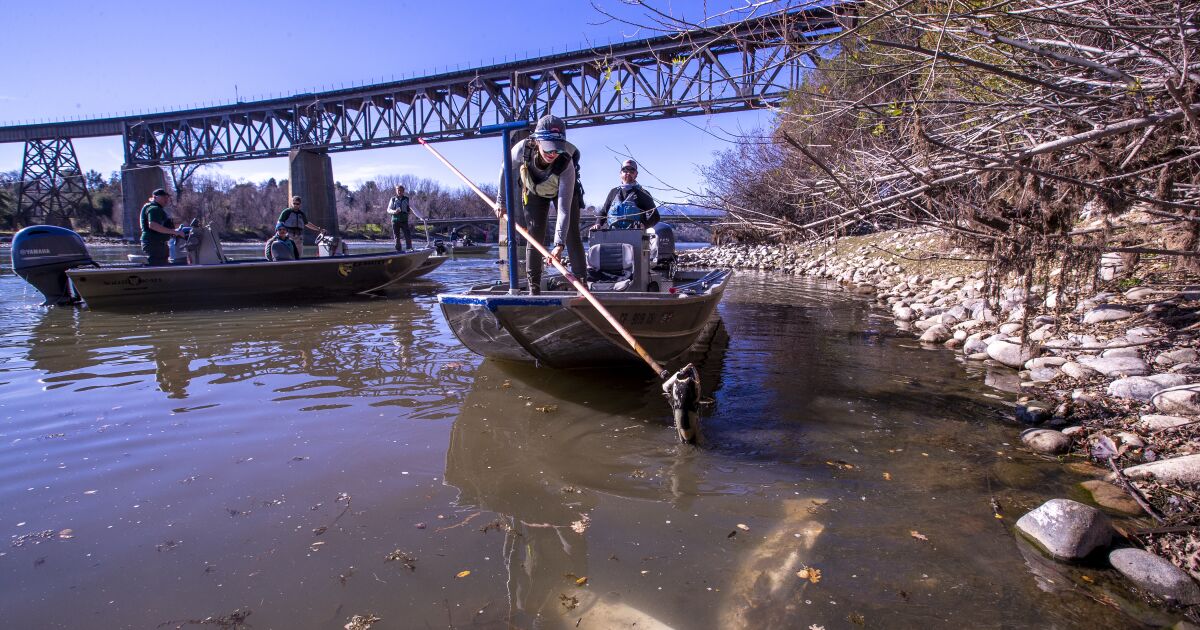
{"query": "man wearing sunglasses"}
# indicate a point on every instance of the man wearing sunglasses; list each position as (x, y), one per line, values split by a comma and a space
(628, 205)
(545, 171)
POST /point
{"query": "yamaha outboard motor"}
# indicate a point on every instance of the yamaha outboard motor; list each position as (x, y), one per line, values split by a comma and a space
(665, 235)
(42, 254)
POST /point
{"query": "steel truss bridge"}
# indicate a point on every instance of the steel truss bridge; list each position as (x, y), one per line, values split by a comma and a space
(741, 66)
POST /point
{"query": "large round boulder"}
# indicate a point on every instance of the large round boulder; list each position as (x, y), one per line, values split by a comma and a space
(1066, 529)
(1046, 441)
(1107, 313)
(1116, 366)
(1156, 575)
(1011, 353)
(1184, 399)
(1185, 469)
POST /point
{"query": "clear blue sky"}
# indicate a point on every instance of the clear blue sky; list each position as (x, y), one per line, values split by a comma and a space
(86, 59)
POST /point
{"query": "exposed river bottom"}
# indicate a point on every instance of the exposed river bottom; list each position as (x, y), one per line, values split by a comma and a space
(294, 466)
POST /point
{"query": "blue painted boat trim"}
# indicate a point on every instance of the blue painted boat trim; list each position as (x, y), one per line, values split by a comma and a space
(494, 301)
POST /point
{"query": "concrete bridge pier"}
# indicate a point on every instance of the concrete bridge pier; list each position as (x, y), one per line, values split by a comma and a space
(311, 177)
(137, 182)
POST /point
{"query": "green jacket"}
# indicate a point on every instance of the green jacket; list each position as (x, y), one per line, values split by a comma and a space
(154, 213)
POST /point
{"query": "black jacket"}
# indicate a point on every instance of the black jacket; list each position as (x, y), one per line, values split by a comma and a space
(641, 199)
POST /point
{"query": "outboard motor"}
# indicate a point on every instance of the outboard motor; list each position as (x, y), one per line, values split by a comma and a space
(664, 234)
(329, 245)
(42, 254)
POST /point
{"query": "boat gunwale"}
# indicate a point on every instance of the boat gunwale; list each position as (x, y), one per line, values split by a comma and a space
(713, 283)
(324, 260)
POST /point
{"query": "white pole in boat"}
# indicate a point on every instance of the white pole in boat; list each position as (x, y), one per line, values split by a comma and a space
(682, 388)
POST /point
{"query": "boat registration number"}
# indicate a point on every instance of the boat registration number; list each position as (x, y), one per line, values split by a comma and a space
(644, 318)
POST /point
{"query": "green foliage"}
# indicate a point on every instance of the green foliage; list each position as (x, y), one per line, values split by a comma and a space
(1125, 284)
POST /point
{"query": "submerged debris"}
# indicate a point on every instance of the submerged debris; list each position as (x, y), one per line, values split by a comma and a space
(403, 557)
(362, 622)
(235, 620)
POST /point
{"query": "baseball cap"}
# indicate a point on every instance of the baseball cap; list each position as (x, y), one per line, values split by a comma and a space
(159, 192)
(551, 133)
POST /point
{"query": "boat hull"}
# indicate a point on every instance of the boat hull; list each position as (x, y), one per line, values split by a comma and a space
(562, 330)
(217, 284)
(462, 250)
(431, 263)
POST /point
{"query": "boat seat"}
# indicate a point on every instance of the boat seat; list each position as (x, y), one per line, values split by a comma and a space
(610, 266)
(204, 248)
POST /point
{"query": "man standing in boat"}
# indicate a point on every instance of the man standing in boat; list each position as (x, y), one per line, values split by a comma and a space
(545, 170)
(157, 228)
(399, 208)
(628, 203)
(294, 219)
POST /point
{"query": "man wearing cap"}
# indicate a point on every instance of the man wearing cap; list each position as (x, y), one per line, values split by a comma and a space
(545, 170)
(632, 195)
(399, 208)
(294, 219)
(157, 228)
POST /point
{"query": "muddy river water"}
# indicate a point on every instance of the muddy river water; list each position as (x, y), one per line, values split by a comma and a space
(293, 466)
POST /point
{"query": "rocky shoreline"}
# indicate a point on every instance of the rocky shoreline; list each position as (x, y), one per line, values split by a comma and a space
(1113, 379)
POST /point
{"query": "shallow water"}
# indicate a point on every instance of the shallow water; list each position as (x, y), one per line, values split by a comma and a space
(268, 460)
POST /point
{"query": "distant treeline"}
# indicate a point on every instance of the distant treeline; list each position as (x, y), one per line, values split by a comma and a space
(249, 210)
(244, 210)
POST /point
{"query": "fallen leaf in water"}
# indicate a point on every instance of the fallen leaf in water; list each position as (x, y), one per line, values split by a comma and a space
(89, 491)
(568, 602)
(732, 534)
(362, 622)
(744, 527)
(887, 476)
(811, 574)
(581, 581)
(1087, 578)
(856, 619)
(66, 534)
(918, 535)
(506, 384)
(463, 574)
(546, 408)
(840, 465)
(816, 627)
(320, 530)
(581, 525)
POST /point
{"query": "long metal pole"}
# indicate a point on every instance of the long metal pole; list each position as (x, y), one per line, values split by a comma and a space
(506, 130)
(579, 286)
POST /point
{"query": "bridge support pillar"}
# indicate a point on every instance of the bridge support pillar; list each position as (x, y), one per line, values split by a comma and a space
(311, 177)
(137, 182)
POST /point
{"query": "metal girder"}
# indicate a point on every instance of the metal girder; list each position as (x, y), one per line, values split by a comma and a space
(52, 186)
(738, 67)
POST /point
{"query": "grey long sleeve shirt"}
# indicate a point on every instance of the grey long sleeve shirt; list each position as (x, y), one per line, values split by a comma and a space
(566, 190)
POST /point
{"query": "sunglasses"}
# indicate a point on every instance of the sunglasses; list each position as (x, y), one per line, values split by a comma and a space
(626, 169)
(551, 151)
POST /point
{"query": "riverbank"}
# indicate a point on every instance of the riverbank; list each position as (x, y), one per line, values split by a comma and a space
(1094, 377)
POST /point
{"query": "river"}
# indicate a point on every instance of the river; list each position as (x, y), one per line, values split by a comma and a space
(293, 466)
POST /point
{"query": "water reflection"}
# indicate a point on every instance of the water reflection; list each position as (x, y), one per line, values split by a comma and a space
(512, 461)
(381, 350)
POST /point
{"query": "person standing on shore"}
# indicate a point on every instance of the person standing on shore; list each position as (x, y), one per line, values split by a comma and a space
(157, 228)
(545, 170)
(294, 219)
(399, 208)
